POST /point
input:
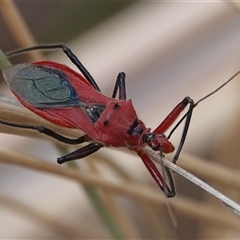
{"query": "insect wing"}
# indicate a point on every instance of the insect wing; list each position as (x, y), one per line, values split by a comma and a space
(40, 86)
(57, 93)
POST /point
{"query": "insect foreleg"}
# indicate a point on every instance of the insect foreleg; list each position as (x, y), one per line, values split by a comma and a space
(157, 176)
(172, 116)
(187, 116)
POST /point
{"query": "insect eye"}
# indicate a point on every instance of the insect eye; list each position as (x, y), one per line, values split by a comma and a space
(148, 137)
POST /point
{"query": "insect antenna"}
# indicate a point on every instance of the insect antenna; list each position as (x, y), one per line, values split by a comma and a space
(200, 100)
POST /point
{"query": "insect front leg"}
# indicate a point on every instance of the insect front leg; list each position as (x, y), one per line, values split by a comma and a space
(168, 121)
(121, 86)
(157, 176)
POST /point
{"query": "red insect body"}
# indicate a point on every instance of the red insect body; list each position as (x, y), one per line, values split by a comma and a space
(118, 118)
(64, 97)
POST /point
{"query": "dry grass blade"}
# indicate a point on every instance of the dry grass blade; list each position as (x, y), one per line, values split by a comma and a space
(68, 230)
(20, 115)
(193, 209)
(112, 206)
(222, 174)
(224, 199)
(18, 27)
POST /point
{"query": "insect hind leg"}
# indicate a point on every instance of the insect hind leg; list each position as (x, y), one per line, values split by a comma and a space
(46, 131)
(69, 54)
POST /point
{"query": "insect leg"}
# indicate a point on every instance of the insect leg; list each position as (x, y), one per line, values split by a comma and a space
(168, 121)
(80, 153)
(170, 192)
(173, 115)
(68, 52)
(47, 132)
(120, 85)
(188, 117)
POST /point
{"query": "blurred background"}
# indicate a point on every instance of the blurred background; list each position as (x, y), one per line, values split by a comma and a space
(168, 50)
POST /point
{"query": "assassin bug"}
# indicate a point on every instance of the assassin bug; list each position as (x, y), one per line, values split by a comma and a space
(67, 98)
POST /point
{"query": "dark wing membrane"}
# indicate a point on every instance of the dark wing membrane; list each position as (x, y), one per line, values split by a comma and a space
(94, 111)
(43, 87)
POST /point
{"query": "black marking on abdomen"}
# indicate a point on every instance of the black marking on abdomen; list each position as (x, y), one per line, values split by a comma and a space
(105, 122)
